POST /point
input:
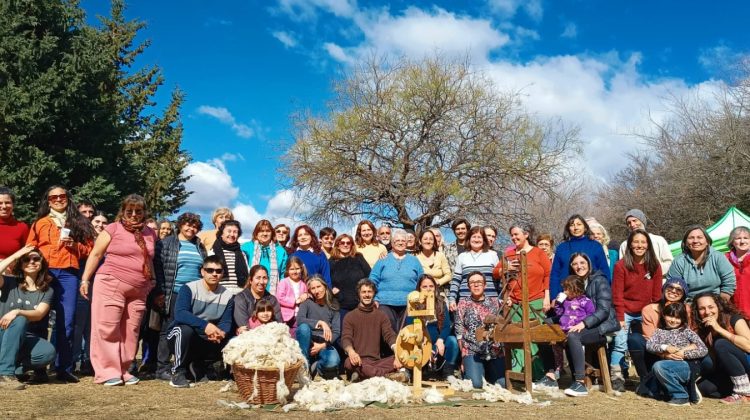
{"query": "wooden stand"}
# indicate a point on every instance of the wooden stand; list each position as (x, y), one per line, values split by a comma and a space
(413, 344)
(513, 335)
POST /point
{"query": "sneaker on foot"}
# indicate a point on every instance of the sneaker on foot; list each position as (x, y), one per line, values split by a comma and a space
(40, 376)
(678, 402)
(10, 382)
(618, 384)
(198, 371)
(545, 383)
(179, 380)
(577, 389)
(112, 382)
(132, 381)
(733, 399)
(164, 375)
(67, 377)
(697, 396)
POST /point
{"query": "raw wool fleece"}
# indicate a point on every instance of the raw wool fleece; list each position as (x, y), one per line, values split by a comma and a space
(267, 346)
(335, 394)
(495, 393)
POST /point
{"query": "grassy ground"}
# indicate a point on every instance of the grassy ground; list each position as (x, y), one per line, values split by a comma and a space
(157, 400)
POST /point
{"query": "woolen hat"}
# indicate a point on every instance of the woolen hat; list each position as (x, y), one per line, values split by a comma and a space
(678, 281)
(638, 215)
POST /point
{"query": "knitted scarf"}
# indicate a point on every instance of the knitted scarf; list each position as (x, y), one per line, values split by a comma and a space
(268, 251)
(58, 218)
(240, 263)
(137, 230)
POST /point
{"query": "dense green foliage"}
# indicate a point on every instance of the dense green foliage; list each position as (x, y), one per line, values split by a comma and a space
(75, 112)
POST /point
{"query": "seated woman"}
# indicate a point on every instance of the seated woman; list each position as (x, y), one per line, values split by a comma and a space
(481, 359)
(592, 330)
(674, 290)
(24, 305)
(255, 290)
(725, 331)
(444, 345)
(681, 350)
(318, 327)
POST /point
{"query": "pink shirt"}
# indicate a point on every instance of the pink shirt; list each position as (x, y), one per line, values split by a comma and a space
(124, 258)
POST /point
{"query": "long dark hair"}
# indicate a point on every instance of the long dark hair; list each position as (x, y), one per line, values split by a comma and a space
(329, 299)
(585, 257)
(649, 260)
(726, 311)
(439, 303)
(701, 261)
(42, 280)
(254, 270)
(675, 310)
(80, 227)
(586, 228)
(314, 243)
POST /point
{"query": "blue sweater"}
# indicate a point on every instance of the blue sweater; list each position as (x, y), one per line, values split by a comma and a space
(395, 278)
(716, 276)
(561, 263)
(315, 264)
(196, 307)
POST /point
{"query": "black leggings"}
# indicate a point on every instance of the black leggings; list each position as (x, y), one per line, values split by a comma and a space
(576, 355)
(729, 360)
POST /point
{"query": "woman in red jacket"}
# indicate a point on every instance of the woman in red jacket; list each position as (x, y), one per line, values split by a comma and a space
(739, 245)
(636, 283)
(64, 237)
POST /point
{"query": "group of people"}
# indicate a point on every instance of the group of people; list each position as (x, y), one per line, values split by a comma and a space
(181, 292)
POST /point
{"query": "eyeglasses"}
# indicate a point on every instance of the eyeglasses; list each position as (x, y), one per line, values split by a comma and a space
(31, 259)
(345, 243)
(281, 231)
(214, 270)
(57, 197)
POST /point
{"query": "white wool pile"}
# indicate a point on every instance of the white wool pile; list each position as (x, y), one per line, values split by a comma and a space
(335, 394)
(495, 393)
(432, 396)
(461, 385)
(267, 346)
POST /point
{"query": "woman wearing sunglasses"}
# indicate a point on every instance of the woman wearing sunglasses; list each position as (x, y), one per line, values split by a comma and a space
(25, 300)
(64, 237)
(348, 267)
(119, 298)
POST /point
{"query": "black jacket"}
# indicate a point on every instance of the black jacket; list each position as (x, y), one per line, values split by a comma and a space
(165, 265)
(599, 291)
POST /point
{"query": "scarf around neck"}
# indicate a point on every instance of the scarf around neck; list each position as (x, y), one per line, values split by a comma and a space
(58, 218)
(270, 252)
(136, 228)
(240, 263)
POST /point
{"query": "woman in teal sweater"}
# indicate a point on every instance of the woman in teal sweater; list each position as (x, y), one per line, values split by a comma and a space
(703, 268)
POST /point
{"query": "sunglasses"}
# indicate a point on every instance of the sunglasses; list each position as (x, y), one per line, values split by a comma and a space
(31, 259)
(57, 197)
(674, 289)
(281, 231)
(348, 243)
(214, 270)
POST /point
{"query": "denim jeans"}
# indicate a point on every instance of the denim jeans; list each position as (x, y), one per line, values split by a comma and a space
(673, 376)
(65, 284)
(620, 344)
(327, 358)
(477, 367)
(19, 349)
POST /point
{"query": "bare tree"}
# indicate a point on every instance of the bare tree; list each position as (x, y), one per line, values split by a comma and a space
(419, 143)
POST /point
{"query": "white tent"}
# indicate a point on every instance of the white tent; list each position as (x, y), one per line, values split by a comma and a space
(719, 232)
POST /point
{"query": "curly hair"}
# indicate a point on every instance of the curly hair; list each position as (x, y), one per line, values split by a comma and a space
(726, 311)
(190, 218)
(314, 243)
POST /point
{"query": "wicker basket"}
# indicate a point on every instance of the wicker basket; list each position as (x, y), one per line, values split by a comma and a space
(267, 378)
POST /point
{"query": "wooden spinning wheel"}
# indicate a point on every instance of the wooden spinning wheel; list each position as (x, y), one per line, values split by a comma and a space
(413, 344)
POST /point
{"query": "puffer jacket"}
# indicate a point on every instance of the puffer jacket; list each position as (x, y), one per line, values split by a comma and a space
(165, 266)
(599, 291)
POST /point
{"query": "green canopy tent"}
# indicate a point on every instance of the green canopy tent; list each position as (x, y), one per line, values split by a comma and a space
(719, 232)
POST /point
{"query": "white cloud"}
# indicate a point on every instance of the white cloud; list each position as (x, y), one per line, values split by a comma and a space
(287, 38)
(607, 97)
(211, 184)
(224, 116)
(282, 207)
(306, 10)
(570, 31)
(509, 8)
(417, 32)
(720, 58)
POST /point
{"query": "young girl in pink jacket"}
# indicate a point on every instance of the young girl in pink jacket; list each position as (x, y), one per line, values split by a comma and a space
(291, 291)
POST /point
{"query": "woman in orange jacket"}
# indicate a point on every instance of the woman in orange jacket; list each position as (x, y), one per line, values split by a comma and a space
(64, 237)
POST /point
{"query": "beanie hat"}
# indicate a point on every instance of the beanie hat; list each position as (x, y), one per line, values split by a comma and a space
(679, 281)
(638, 214)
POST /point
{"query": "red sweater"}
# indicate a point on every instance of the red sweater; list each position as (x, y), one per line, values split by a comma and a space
(632, 290)
(13, 236)
(741, 297)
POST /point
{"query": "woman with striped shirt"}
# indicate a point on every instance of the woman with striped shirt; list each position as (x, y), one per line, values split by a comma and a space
(478, 257)
(232, 258)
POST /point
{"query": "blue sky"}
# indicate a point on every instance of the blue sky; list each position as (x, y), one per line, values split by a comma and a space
(247, 66)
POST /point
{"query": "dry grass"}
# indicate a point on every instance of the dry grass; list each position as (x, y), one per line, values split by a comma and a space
(157, 400)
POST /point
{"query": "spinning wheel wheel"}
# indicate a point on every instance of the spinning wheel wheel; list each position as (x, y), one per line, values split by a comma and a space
(413, 346)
